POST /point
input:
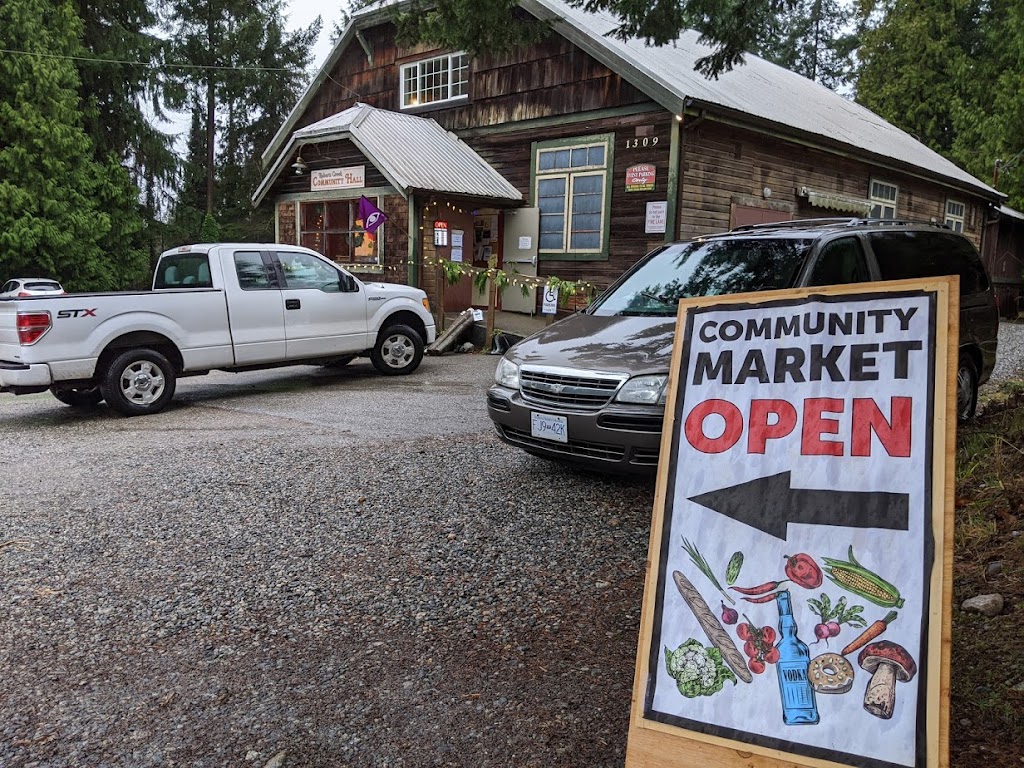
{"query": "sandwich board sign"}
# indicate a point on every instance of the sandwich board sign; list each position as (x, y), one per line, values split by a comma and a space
(796, 608)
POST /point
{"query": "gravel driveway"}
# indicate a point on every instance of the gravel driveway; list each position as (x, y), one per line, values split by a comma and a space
(344, 568)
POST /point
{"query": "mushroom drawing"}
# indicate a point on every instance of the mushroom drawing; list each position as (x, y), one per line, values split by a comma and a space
(888, 663)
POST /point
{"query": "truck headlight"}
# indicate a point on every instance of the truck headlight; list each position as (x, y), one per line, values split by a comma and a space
(645, 390)
(507, 374)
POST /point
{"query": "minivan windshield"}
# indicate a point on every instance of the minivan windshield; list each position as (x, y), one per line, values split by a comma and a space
(707, 268)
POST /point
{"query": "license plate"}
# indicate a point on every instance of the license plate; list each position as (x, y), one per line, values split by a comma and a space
(548, 427)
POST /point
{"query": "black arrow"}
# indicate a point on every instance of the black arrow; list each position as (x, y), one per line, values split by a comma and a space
(770, 504)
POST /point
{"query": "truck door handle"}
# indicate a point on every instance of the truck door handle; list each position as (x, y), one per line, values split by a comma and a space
(292, 304)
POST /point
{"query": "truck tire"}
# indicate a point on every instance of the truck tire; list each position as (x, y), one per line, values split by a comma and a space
(398, 351)
(966, 389)
(138, 382)
(78, 397)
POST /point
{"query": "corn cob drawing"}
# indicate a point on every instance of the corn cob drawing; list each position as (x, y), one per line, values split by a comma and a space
(853, 577)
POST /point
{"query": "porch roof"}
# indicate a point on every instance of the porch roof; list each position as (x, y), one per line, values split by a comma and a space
(414, 154)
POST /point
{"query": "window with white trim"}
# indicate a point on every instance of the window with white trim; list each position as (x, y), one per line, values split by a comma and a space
(334, 229)
(572, 189)
(442, 78)
(955, 212)
(883, 200)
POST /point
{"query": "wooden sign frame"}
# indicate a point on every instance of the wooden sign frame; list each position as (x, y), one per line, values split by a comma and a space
(654, 744)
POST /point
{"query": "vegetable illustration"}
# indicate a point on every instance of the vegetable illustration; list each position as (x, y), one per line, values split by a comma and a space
(698, 671)
(853, 577)
(760, 589)
(757, 645)
(762, 598)
(830, 673)
(732, 570)
(801, 569)
(834, 616)
(729, 615)
(703, 567)
(888, 663)
(870, 633)
(712, 627)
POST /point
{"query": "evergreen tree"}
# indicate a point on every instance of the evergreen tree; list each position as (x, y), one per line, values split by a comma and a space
(732, 27)
(119, 81)
(63, 213)
(913, 61)
(248, 74)
(816, 39)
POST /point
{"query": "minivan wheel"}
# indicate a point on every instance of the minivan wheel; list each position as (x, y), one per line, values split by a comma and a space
(138, 382)
(78, 397)
(966, 389)
(399, 350)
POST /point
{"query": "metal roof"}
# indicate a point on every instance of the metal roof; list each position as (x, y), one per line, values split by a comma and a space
(413, 153)
(757, 88)
(1005, 210)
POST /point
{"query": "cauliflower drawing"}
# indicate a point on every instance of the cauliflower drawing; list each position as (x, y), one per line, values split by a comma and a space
(698, 671)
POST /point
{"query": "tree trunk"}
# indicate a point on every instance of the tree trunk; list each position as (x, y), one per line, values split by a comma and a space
(211, 122)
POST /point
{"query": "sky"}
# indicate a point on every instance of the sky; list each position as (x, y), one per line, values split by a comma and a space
(301, 13)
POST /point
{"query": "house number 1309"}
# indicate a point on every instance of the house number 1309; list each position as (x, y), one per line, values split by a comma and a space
(646, 141)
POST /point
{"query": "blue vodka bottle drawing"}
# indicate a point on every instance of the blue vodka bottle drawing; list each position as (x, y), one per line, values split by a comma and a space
(798, 705)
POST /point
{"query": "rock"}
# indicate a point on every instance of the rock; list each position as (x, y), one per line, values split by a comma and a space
(993, 569)
(987, 605)
(467, 347)
(277, 760)
(1019, 687)
(251, 755)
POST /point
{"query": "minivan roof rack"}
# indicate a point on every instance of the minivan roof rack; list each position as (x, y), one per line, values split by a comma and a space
(835, 221)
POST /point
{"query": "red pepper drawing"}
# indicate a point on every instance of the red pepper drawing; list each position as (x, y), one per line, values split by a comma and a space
(801, 569)
(762, 598)
(760, 589)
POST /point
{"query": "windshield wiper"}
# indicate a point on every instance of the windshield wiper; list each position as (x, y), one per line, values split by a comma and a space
(660, 299)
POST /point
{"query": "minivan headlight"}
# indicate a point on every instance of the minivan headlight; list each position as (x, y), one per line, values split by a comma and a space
(507, 374)
(646, 390)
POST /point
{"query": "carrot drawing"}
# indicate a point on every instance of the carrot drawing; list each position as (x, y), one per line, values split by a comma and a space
(869, 634)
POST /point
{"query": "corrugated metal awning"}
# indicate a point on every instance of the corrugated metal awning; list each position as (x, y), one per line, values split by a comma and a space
(836, 202)
(415, 154)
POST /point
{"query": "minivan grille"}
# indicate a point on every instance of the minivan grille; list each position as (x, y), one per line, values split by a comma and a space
(580, 448)
(585, 392)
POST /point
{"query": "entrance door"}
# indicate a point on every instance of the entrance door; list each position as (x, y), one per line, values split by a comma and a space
(519, 252)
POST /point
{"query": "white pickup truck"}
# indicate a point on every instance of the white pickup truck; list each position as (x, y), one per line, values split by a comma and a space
(231, 307)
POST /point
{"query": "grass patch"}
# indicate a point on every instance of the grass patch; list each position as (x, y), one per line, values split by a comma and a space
(987, 724)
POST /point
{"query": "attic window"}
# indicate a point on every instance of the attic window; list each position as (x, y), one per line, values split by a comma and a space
(443, 78)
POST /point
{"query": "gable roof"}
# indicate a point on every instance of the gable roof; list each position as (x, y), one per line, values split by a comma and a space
(756, 89)
(413, 153)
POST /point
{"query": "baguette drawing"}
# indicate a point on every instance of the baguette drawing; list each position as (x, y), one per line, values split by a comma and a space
(712, 627)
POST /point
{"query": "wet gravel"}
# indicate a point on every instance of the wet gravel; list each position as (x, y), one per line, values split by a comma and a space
(344, 569)
(219, 584)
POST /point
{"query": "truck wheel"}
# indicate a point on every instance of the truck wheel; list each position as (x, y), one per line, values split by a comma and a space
(399, 350)
(966, 389)
(78, 397)
(138, 382)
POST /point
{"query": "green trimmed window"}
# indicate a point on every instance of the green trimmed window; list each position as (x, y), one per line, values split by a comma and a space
(572, 187)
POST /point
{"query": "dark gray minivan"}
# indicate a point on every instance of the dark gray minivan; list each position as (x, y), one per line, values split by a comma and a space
(590, 389)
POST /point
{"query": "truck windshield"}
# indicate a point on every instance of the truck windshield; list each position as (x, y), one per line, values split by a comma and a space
(705, 269)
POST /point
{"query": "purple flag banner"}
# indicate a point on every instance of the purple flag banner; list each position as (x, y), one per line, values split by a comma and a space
(371, 215)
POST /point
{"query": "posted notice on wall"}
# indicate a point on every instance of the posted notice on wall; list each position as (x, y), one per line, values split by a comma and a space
(794, 601)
